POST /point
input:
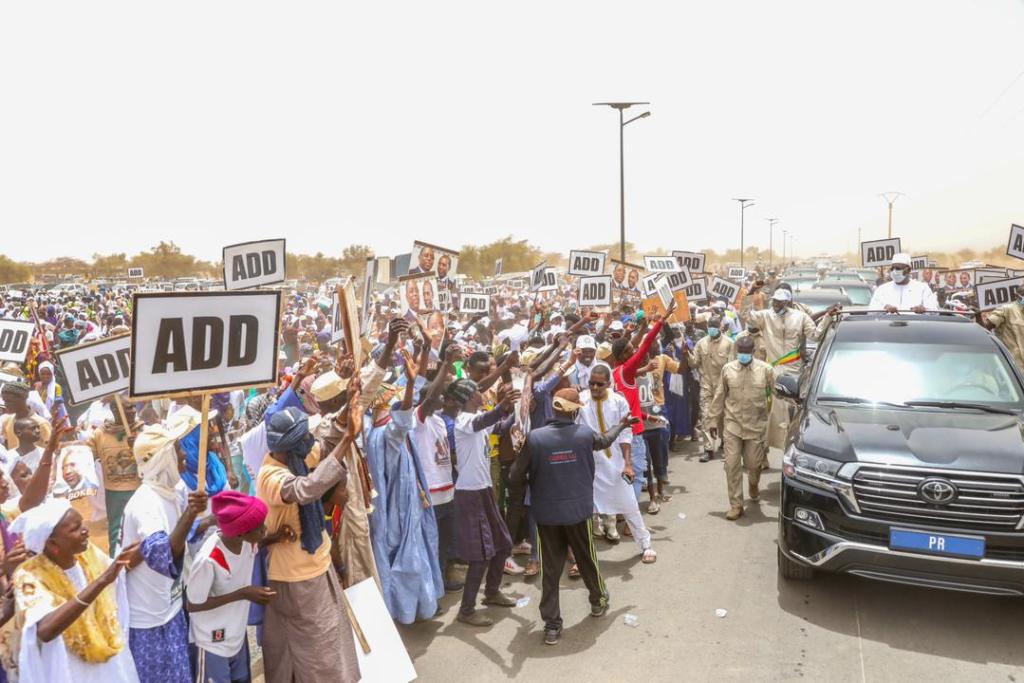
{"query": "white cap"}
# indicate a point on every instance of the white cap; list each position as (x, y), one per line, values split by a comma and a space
(327, 386)
(782, 294)
(901, 260)
(586, 342)
(615, 325)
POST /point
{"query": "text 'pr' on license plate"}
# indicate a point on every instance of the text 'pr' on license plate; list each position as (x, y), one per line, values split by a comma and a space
(938, 544)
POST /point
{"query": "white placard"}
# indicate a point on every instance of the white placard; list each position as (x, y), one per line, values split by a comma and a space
(679, 280)
(136, 273)
(737, 273)
(474, 303)
(15, 339)
(878, 253)
(994, 294)
(388, 660)
(92, 371)
(596, 291)
(253, 264)
(550, 281)
(1015, 247)
(661, 264)
(586, 263)
(691, 260)
(537, 276)
(665, 293)
(649, 284)
(722, 287)
(918, 262)
(697, 291)
(498, 263)
(983, 275)
(203, 341)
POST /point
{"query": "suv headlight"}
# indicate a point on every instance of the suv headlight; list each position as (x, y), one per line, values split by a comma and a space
(820, 472)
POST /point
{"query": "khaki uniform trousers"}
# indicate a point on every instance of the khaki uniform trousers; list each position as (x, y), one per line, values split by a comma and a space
(707, 395)
(741, 454)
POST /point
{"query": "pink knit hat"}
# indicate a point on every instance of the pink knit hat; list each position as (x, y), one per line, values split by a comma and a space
(237, 513)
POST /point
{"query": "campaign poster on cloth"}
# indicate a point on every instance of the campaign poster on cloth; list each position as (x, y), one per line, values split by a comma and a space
(878, 253)
(1015, 247)
(185, 342)
(596, 291)
(94, 370)
(661, 264)
(691, 260)
(430, 258)
(626, 277)
(417, 294)
(253, 264)
(15, 339)
(586, 263)
(992, 295)
(75, 473)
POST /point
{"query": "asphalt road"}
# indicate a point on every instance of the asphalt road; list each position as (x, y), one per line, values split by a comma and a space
(833, 628)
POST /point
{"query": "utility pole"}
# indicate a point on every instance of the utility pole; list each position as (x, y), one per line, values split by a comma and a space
(622, 106)
(890, 198)
(771, 231)
(744, 203)
(783, 248)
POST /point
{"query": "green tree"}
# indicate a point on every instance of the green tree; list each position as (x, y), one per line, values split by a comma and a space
(110, 265)
(167, 260)
(477, 262)
(13, 272)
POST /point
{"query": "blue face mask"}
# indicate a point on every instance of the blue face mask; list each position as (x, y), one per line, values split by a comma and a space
(713, 332)
(745, 358)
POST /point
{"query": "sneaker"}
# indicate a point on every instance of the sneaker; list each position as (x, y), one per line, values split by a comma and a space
(513, 569)
(499, 600)
(475, 619)
(523, 548)
(599, 610)
(551, 635)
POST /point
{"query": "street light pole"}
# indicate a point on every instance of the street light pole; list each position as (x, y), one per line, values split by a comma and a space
(783, 248)
(744, 203)
(890, 198)
(771, 232)
(622, 106)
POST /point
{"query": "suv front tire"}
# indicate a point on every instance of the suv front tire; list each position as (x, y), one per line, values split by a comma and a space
(793, 571)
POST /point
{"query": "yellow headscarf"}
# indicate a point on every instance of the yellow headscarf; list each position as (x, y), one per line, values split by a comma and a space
(95, 635)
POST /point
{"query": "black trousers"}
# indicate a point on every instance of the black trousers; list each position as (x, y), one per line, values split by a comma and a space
(554, 542)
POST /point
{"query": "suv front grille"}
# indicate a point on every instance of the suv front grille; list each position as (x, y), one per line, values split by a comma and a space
(984, 501)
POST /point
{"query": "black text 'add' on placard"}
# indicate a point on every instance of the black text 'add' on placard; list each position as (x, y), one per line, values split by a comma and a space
(691, 260)
(95, 370)
(878, 253)
(596, 291)
(994, 294)
(193, 342)
(474, 304)
(1015, 247)
(15, 339)
(252, 264)
(586, 263)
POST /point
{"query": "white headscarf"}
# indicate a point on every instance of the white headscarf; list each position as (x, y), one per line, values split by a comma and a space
(157, 459)
(36, 524)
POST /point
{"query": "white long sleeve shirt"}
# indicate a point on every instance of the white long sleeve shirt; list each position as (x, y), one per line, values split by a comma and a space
(904, 297)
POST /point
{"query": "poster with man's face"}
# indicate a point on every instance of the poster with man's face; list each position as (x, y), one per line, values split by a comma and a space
(418, 295)
(76, 473)
(626, 276)
(428, 258)
(956, 279)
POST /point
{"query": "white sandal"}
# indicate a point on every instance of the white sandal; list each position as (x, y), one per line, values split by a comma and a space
(650, 556)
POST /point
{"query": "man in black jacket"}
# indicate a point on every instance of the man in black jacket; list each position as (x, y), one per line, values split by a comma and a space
(558, 463)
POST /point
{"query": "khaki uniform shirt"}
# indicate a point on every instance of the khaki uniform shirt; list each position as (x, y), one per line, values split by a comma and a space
(784, 333)
(662, 364)
(743, 396)
(759, 350)
(1009, 327)
(708, 357)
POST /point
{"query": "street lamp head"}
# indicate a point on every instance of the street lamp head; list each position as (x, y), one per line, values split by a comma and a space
(618, 105)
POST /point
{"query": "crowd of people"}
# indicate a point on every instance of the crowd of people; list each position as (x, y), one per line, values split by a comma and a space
(463, 448)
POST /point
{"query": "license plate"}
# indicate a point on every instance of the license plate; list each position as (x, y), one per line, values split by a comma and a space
(937, 544)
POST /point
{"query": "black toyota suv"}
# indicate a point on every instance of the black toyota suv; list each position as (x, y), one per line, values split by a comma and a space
(904, 460)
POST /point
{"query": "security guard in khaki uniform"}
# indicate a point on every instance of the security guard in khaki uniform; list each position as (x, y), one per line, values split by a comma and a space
(1008, 323)
(742, 402)
(709, 356)
(754, 333)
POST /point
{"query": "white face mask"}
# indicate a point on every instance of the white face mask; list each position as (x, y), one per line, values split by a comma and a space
(898, 276)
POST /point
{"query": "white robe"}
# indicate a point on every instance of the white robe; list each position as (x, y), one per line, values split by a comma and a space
(40, 662)
(612, 493)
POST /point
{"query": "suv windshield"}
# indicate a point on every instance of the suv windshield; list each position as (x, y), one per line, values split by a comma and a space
(897, 373)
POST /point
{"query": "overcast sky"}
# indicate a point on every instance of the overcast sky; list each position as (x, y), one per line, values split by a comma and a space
(210, 123)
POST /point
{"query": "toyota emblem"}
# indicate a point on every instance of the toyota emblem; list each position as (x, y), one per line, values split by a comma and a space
(937, 491)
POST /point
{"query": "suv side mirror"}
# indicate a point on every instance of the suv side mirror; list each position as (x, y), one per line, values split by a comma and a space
(788, 387)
